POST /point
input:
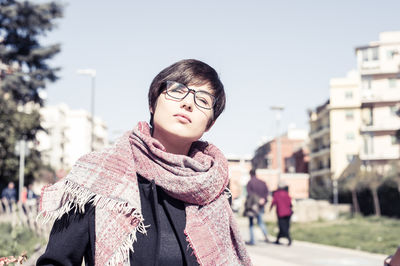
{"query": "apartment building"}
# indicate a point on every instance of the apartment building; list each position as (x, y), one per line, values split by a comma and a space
(359, 120)
(68, 135)
(345, 122)
(319, 143)
(379, 67)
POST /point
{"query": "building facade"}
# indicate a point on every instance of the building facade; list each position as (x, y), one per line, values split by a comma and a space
(345, 122)
(320, 151)
(379, 67)
(359, 120)
(294, 153)
(68, 135)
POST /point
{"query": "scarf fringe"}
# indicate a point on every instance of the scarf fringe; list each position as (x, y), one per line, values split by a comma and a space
(122, 254)
(189, 241)
(76, 196)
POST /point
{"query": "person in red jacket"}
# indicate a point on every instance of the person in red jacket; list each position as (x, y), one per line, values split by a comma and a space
(283, 203)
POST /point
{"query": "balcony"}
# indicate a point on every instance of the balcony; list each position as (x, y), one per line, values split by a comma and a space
(369, 98)
(320, 131)
(320, 171)
(376, 67)
(320, 151)
(381, 127)
(379, 157)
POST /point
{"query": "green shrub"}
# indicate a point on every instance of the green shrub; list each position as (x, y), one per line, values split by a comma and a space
(370, 233)
(15, 240)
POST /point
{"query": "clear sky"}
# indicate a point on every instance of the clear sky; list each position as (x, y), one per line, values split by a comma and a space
(266, 52)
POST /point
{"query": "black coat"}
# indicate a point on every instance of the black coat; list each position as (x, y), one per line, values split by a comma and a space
(73, 236)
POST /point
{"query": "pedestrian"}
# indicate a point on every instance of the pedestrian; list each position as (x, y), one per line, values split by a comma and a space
(283, 203)
(23, 199)
(257, 196)
(31, 199)
(9, 195)
(158, 195)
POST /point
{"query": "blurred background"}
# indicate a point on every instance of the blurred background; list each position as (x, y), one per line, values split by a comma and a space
(313, 98)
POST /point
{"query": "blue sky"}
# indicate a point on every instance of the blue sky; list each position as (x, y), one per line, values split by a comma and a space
(266, 52)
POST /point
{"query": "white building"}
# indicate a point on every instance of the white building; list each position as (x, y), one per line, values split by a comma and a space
(345, 120)
(359, 119)
(68, 135)
(379, 67)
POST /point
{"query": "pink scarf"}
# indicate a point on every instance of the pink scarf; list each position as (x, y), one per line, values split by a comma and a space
(108, 180)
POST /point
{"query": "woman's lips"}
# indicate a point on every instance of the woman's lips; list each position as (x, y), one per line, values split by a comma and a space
(183, 118)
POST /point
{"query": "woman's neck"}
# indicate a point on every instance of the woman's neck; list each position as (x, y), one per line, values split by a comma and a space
(172, 144)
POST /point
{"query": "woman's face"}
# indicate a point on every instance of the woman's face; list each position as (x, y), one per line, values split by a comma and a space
(181, 120)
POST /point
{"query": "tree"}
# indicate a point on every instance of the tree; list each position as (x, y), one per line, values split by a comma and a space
(351, 183)
(394, 174)
(373, 179)
(349, 180)
(24, 73)
(320, 188)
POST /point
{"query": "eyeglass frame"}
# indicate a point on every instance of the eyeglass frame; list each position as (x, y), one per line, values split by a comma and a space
(214, 100)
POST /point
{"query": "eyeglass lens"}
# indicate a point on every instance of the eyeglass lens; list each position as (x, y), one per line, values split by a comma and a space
(179, 91)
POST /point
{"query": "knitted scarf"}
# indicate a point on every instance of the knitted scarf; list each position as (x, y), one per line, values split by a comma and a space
(108, 180)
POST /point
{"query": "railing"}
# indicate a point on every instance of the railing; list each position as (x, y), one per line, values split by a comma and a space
(319, 129)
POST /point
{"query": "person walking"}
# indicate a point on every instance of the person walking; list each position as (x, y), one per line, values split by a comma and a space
(31, 199)
(9, 196)
(283, 203)
(257, 196)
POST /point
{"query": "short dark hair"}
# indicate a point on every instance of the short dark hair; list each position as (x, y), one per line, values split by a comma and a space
(252, 172)
(189, 72)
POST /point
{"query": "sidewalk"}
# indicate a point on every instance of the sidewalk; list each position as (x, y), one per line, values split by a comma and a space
(304, 253)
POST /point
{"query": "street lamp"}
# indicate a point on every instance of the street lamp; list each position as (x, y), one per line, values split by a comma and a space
(278, 111)
(22, 150)
(92, 74)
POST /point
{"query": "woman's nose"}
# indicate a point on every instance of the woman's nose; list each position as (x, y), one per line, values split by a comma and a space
(188, 101)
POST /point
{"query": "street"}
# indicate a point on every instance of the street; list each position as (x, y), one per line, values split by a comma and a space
(304, 253)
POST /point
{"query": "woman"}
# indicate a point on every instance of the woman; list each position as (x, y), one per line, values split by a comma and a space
(283, 203)
(157, 196)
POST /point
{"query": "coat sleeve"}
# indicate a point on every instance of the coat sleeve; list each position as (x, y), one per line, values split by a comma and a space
(70, 239)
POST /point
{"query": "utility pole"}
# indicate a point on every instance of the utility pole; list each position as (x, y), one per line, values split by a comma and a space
(92, 74)
(278, 111)
(21, 150)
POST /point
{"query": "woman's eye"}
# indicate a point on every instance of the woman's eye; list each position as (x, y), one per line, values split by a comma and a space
(202, 100)
(178, 90)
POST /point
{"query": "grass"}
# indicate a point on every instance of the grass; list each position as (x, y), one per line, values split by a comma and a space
(371, 234)
(14, 241)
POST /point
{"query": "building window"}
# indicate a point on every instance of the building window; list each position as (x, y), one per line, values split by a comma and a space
(392, 83)
(366, 150)
(349, 95)
(349, 115)
(394, 140)
(368, 144)
(366, 83)
(375, 53)
(390, 54)
(364, 55)
(393, 110)
(350, 136)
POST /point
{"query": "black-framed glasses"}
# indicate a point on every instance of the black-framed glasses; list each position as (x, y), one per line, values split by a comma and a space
(202, 99)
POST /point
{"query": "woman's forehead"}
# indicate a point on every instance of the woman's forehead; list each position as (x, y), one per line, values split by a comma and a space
(201, 87)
